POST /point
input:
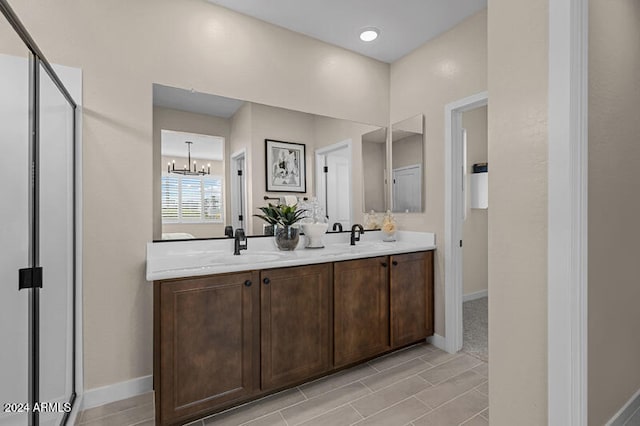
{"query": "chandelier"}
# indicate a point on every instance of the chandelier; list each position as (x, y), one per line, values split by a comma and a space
(171, 167)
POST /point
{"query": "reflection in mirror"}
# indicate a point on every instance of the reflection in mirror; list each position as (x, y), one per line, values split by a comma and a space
(407, 158)
(191, 185)
(374, 160)
(241, 128)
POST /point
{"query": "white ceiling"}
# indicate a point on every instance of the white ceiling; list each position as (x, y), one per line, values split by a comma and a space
(204, 147)
(404, 24)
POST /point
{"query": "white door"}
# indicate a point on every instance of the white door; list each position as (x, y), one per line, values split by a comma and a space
(238, 191)
(407, 189)
(333, 182)
(338, 184)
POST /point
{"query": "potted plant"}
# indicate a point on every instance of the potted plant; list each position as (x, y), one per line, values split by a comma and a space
(283, 218)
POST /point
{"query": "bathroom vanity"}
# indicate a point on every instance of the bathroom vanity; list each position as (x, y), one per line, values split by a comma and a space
(230, 329)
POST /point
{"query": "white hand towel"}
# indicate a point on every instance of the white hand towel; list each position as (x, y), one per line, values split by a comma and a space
(290, 200)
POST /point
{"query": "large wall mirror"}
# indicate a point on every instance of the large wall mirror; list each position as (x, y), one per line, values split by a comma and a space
(374, 158)
(407, 165)
(225, 139)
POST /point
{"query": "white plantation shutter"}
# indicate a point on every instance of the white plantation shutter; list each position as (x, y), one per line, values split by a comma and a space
(212, 199)
(191, 199)
(170, 199)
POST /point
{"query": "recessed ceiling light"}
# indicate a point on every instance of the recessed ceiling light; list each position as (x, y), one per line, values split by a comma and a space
(369, 34)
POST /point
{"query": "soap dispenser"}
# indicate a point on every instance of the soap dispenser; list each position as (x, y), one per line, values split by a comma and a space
(314, 224)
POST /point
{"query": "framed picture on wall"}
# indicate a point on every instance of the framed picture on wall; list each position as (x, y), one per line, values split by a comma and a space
(285, 165)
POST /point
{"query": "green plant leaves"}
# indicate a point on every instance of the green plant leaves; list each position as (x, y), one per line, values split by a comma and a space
(281, 214)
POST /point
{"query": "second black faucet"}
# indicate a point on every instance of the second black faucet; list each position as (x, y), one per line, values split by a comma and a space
(356, 228)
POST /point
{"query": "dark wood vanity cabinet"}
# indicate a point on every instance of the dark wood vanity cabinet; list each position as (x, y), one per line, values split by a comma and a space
(361, 309)
(220, 340)
(295, 324)
(206, 347)
(411, 297)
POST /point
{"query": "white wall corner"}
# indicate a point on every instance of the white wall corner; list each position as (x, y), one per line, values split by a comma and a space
(567, 213)
(438, 341)
(117, 391)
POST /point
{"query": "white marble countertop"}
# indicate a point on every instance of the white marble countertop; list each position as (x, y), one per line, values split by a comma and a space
(177, 259)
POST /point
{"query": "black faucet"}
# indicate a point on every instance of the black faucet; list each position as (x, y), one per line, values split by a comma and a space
(356, 228)
(337, 226)
(228, 231)
(240, 242)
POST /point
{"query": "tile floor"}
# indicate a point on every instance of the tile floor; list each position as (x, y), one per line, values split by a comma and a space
(420, 385)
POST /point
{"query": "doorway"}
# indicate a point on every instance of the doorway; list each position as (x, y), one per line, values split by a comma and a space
(238, 190)
(333, 182)
(475, 277)
(454, 216)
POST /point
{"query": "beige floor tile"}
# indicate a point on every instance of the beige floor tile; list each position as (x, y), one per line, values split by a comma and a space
(259, 408)
(116, 407)
(634, 420)
(438, 356)
(313, 407)
(389, 396)
(131, 416)
(342, 416)
(274, 419)
(361, 395)
(399, 414)
(153, 422)
(485, 414)
(450, 388)
(476, 421)
(391, 360)
(456, 411)
(450, 368)
(483, 388)
(337, 380)
(395, 374)
(482, 369)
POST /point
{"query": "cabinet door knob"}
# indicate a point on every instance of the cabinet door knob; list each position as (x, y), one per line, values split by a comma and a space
(266, 280)
(394, 263)
(384, 264)
(247, 283)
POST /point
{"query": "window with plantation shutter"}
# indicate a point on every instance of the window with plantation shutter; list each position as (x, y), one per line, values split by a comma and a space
(191, 199)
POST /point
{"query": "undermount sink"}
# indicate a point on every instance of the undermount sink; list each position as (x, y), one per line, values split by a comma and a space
(371, 245)
(230, 259)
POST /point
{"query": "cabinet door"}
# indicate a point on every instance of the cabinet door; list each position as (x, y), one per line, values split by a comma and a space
(361, 309)
(295, 324)
(206, 338)
(411, 297)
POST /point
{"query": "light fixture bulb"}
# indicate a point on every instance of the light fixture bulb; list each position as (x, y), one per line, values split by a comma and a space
(369, 34)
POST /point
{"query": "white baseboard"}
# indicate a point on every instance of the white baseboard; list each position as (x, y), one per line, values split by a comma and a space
(473, 296)
(437, 341)
(621, 417)
(117, 391)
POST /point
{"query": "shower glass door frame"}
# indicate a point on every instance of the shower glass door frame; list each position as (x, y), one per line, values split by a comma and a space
(31, 276)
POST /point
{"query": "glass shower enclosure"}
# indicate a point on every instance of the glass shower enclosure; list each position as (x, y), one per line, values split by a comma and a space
(37, 233)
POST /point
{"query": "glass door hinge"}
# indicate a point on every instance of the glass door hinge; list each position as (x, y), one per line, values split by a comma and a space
(30, 277)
